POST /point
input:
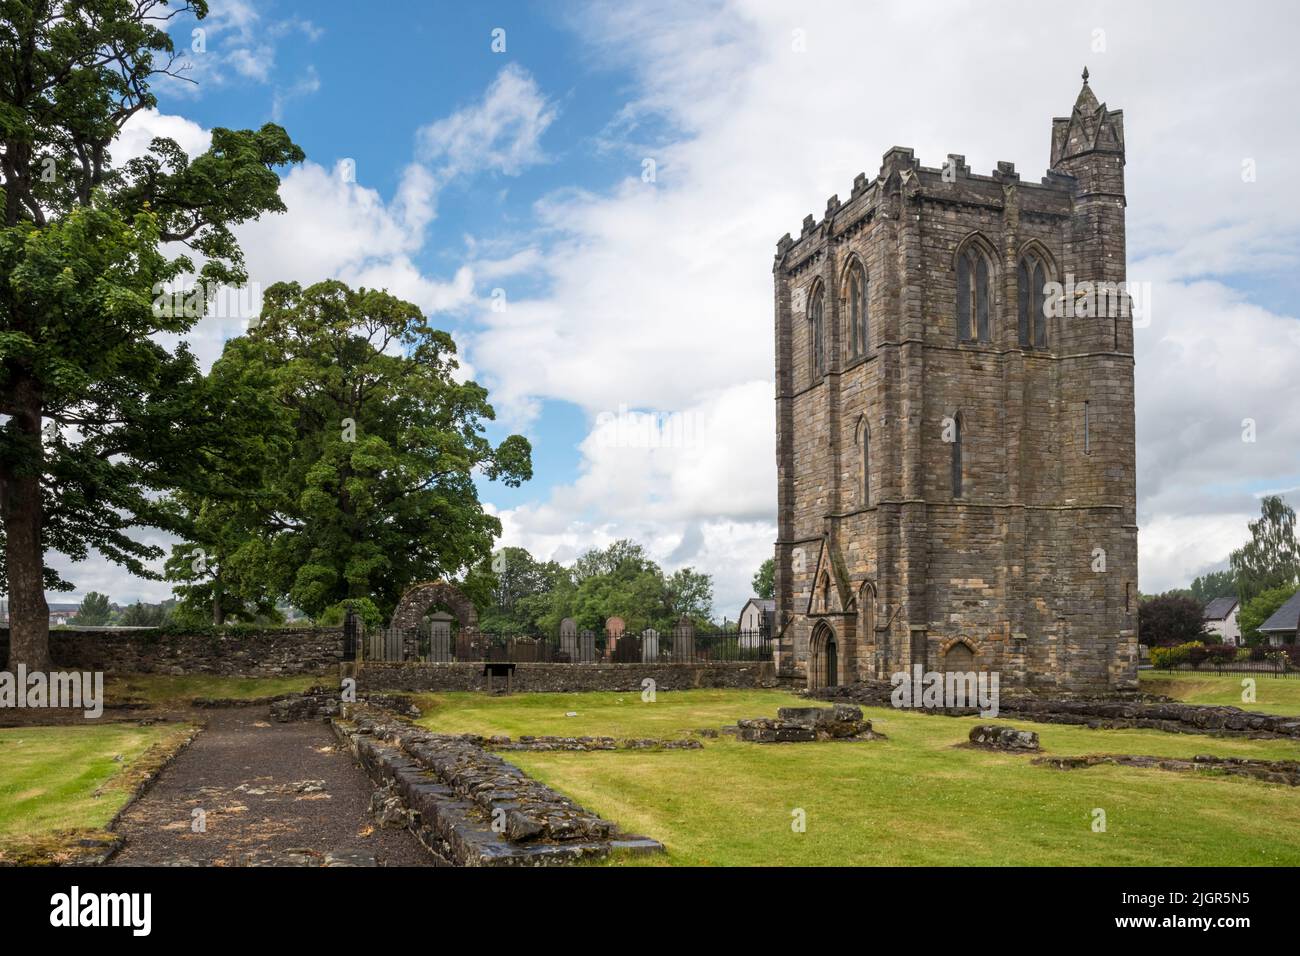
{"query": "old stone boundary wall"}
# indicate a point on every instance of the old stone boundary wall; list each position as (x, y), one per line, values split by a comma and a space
(529, 677)
(250, 653)
(318, 651)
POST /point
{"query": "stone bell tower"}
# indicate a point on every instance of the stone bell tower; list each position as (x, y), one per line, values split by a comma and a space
(955, 434)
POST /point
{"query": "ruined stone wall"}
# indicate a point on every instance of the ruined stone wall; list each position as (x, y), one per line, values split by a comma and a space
(255, 653)
(568, 678)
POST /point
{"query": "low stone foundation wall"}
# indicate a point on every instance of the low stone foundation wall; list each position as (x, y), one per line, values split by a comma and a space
(1100, 713)
(568, 678)
(239, 652)
(467, 806)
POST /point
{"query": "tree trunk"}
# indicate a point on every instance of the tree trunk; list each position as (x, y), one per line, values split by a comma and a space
(218, 612)
(21, 510)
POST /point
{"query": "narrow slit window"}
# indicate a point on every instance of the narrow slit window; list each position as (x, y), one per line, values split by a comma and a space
(1087, 428)
(957, 457)
(866, 466)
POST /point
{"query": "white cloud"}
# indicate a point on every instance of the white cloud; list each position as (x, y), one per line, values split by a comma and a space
(142, 128)
(659, 294)
(501, 132)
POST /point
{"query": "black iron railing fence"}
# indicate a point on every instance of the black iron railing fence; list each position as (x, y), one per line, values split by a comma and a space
(1235, 669)
(678, 645)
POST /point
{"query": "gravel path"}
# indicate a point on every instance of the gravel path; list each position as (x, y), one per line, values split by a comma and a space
(272, 795)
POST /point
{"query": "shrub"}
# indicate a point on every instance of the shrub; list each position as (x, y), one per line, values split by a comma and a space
(1220, 654)
(1178, 654)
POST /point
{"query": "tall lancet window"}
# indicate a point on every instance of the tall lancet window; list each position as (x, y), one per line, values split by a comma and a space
(957, 450)
(817, 334)
(1031, 279)
(974, 295)
(856, 294)
(864, 439)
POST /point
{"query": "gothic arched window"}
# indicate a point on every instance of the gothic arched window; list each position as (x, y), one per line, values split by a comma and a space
(974, 295)
(817, 334)
(856, 293)
(1031, 280)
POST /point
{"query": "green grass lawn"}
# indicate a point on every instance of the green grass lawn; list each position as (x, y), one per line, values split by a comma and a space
(1274, 695)
(167, 690)
(915, 798)
(58, 782)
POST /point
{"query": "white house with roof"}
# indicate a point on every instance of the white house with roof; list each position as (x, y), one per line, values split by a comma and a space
(1220, 617)
(757, 614)
(1281, 627)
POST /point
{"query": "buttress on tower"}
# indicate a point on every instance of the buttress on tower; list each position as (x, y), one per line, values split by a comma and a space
(955, 428)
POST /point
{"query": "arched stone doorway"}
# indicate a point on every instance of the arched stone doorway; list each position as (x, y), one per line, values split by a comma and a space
(420, 598)
(824, 653)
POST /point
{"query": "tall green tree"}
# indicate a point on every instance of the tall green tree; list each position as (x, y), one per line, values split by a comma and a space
(1171, 619)
(94, 610)
(1216, 584)
(376, 488)
(1258, 610)
(1271, 559)
(100, 415)
(690, 594)
(514, 591)
(764, 582)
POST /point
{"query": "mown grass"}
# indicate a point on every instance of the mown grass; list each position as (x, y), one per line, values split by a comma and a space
(57, 783)
(918, 797)
(1274, 695)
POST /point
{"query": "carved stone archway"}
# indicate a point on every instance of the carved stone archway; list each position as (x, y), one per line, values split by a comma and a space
(825, 658)
(419, 598)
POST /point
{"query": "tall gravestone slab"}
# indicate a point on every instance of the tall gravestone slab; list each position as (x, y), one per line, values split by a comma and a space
(569, 638)
(614, 629)
(649, 646)
(587, 647)
(684, 641)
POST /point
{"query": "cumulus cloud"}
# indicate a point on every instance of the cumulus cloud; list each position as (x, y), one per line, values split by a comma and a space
(658, 292)
(500, 132)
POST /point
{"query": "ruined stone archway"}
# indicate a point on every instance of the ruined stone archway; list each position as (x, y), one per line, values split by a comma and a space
(959, 654)
(419, 598)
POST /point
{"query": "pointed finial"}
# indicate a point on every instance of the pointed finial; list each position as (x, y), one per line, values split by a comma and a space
(1085, 76)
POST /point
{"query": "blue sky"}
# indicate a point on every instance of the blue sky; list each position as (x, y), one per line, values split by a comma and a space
(522, 171)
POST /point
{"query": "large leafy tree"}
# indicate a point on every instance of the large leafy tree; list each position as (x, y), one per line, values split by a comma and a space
(1171, 619)
(1259, 609)
(94, 610)
(376, 487)
(1216, 584)
(97, 414)
(513, 591)
(1271, 558)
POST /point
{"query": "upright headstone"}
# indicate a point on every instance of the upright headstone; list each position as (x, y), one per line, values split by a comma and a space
(684, 641)
(614, 629)
(587, 647)
(569, 638)
(649, 646)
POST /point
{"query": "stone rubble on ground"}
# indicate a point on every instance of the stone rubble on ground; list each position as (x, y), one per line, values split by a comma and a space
(807, 724)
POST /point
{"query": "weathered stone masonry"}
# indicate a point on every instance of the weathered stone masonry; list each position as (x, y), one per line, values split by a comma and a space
(260, 653)
(874, 576)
